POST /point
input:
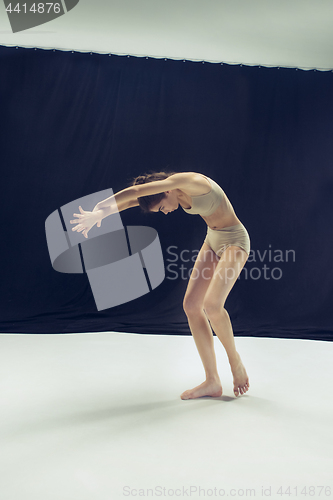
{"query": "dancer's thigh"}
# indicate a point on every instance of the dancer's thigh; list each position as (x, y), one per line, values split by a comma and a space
(202, 273)
(225, 276)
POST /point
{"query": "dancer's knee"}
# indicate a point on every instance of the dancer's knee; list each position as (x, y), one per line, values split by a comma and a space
(192, 307)
(214, 309)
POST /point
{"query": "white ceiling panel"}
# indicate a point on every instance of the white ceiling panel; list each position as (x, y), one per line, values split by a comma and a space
(285, 33)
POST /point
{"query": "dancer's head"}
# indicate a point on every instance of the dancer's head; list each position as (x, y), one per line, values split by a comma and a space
(148, 202)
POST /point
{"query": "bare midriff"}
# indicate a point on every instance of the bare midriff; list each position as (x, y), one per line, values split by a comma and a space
(224, 216)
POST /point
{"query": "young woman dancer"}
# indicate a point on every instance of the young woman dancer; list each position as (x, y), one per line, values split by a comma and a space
(217, 267)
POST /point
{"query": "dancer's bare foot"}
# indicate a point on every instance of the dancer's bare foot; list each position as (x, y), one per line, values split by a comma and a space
(210, 387)
(241, 380)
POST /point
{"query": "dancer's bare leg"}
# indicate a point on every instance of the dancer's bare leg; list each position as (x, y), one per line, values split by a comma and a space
(200, 279)
(224, 278)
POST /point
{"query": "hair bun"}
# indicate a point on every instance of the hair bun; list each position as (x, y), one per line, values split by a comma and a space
(141, 179)
(154, 176)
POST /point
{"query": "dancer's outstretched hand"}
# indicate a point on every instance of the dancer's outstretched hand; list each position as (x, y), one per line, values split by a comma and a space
(86, 220)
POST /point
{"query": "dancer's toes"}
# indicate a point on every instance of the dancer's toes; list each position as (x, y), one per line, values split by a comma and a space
(241, 380)
(239, 391)
(185, 395)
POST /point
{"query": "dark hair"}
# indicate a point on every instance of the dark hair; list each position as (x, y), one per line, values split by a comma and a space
(147, 202)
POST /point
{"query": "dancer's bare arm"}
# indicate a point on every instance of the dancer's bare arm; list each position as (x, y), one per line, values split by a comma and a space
(85, 220)
(190, 182)
(128, 198)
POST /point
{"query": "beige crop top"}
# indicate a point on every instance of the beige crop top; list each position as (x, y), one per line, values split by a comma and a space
(206, 204)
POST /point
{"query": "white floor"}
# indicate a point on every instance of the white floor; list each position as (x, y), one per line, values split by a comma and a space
(98, 417)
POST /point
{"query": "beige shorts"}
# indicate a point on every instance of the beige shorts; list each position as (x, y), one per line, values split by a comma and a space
(220, 239)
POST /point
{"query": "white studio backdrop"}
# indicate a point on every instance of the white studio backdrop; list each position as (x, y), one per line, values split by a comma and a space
(282, 33)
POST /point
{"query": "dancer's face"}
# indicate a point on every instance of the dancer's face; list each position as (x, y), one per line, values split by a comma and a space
(167, 204)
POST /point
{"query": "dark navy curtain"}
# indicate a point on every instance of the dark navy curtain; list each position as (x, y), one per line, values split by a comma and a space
(76, 123)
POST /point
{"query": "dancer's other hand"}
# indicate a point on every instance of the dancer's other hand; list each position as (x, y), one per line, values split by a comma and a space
(86, 220)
